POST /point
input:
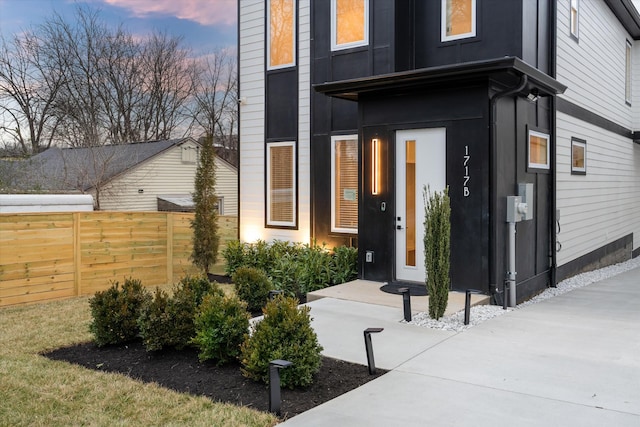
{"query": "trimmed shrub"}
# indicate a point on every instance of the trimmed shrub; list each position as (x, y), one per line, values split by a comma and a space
(437, 249)
(169, 322)
(315, 268)
(201, 286)
(292, 267)
(344, 265)
(285, 275)
(115, 312)
(235, 256)
(284, 333)
(155, 322)
(252, 286)
(221, 325)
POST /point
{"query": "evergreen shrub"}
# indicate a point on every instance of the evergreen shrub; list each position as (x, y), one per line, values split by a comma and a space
(252, 286)
(437, 249)
(285, 332)
(221, 324)
(115, 312)
(169, 321)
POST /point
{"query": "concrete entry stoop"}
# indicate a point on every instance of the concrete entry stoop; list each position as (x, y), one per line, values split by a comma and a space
(369, 292)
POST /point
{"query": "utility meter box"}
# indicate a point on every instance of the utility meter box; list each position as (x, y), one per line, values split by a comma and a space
(514, 209)
(525, 191)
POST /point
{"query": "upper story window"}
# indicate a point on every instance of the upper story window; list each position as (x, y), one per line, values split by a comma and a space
(627, 73)
(574, 18)
(349, 23)
(458, 19)
(281, 34)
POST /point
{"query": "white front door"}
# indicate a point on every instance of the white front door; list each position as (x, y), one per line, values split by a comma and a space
(420, 161)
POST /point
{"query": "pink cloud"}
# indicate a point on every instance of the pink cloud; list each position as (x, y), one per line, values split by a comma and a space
(205, 12)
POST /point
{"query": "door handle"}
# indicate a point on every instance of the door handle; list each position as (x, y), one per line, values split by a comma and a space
(398, 227)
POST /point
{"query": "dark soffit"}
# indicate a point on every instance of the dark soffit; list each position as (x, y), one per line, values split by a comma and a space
(627, 14)
(351, 89)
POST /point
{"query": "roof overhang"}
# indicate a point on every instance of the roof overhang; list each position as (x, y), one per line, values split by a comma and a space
(353, 89)
(627, 14)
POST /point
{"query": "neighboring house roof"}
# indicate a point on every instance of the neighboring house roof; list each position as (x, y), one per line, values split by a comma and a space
(80, 169)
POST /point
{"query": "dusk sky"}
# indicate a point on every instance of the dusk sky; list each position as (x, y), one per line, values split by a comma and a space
(204, 24)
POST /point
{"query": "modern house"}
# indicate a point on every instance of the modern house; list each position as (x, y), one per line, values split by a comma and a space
(524, 109)
(144, 176)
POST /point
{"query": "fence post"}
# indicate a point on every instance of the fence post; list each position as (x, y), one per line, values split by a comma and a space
(77, 254)
(169, 248)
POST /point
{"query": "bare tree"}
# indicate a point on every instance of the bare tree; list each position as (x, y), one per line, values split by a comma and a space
(29, 84)
(214, 107)
(79, 51)
(167, 86)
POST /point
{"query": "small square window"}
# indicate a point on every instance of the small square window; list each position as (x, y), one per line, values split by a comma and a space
(578, 156)
(538, 150)
(189, 154)
(458, 19)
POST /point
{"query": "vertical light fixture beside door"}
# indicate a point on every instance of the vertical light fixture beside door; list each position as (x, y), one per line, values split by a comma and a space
(375, 166)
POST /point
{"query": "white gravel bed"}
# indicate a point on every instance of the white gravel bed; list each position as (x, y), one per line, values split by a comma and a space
(480, 313)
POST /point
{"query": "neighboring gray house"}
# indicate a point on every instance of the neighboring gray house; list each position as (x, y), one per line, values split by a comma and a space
(131, 177)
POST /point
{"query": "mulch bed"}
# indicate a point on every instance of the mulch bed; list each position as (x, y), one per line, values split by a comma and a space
(181, 371)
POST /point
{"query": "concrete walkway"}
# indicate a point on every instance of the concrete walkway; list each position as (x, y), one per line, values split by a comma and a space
(573, 360)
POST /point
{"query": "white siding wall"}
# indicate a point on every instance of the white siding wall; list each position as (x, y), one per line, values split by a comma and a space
(252, 123)
(635, 84)
(252, 86)
(165, 174)
(594, 67)
(227, 186)
(601, 206)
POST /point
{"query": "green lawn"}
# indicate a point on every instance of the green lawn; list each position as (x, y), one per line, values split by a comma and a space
(36, 391)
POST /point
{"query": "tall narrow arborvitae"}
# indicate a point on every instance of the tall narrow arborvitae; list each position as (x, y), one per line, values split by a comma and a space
(437, 249)
(205, 223)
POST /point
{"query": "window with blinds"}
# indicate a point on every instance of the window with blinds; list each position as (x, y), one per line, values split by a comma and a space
(281, 35)
(281, 184)
(344, 186)
(538, 150)
(349, 23)
(458, 19)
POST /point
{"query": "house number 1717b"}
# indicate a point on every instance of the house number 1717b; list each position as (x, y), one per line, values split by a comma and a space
(465, 185)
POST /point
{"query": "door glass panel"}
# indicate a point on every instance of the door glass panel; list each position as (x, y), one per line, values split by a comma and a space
(410, 208)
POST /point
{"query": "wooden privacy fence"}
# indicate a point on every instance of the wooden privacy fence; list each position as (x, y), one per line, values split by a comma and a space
(48, 256)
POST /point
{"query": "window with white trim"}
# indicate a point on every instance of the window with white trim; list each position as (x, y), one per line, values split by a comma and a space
(458, 19)
(578, 156)
(281, 34)
(574, 18)
(349, 23)
(344, 184)
(627, 73)
(281, 184)
(538, 150)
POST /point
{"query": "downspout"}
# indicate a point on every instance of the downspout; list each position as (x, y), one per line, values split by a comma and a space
(493, 179)
(552, 107)
(238, 105)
